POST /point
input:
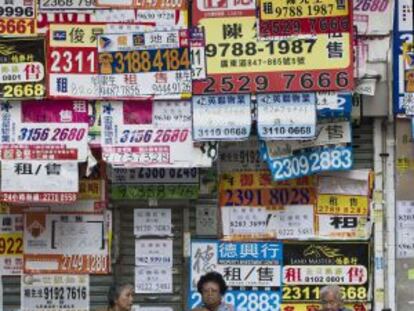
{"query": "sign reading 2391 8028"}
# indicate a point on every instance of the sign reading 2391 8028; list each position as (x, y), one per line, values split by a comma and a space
(22, 68)
(237, 62)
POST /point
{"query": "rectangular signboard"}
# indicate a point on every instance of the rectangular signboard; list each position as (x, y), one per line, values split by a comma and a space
(22, 65)
(18, 18)
(67, 243)
(237, 62)
(11, 244)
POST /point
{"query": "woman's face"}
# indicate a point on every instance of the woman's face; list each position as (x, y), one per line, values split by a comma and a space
(125, 299)
(211, 294)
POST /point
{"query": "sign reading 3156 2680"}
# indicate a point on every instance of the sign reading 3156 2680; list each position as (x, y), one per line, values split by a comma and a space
(22, 68)
(17, 18)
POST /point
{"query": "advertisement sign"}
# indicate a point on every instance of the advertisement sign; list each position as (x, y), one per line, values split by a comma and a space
(310, 162)
(153, 175)
(373, 17)
(221, 117)
(342, 204)
(286, 116)
(154, 252)
(308, 266)
(17, 18)
(158, 192)
(235, 156)
(337, 226)
(284, 18)
(67, 243)
(198, 54)
(152, 221)
(72, 60)
(334, 133)
(405, 225)
(143, 64)
(63, 5)
(317, 307)
(141, 4)
(54, 292)
(146, 133)
(22, 65)
(354, 182)
(153, 279)
(403, 25)
(251, 269)
(237, 62)
(58, 133)
(334, 104)
(11, 244)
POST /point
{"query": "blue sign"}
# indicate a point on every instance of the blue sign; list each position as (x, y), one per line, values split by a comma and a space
(310, 162)
(334, 105)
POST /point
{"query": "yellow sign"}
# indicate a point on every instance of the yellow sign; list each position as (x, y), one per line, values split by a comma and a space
(232, 47)
(11, 244)
(317, 307)
(91, 189)
(68, 35)
(342, 204)
(287, 9)
(17, 26)
(260, 180)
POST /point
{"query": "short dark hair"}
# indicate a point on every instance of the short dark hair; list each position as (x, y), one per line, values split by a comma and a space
(115, 291)
(212, 277)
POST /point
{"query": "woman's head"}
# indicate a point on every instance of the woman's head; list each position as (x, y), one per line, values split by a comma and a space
(212, 287)
(121, 297)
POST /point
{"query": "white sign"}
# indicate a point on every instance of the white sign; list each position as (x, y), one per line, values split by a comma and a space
(136, 134)
(221, 117)
(198, 54)
(206, 220)
(55, 292)
(152, 221)
(405, 229)
(286, 116)
(343, 226)
(373, 17)
(244, 220)
(153, 280)
(11, 244)
(39, 176)
(345, 183)
(326, 133)
(53, 5)
(154, 252)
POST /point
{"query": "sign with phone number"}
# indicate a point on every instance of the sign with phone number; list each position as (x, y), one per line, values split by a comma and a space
(311, 162)
(160, 192)
(11, 244)
(17, 18)
(22, 68)
(238, 62)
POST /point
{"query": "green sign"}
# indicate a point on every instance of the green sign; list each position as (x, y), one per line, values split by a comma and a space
(144, 192)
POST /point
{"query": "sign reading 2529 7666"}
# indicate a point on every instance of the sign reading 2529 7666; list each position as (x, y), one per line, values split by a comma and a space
(237, 62)
(22, 68)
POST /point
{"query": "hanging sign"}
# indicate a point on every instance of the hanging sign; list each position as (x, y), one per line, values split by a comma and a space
(39, 181)
(334, 104)
(326, 133)
(72, 60)
(58, 133)
(154, 252)
(145, 134)
(308, 266)
(17, 18)
(22, 66)
(152, 221)
(144, 64)
(11, 244)
(286, 116)
(54, 292)
(67, 243)
(311, 162)
(402, 33)
(237, 62)
(142, 4)
(251, 269)
(237, 156)
(284, 18)
(221, 117)
(153, 279)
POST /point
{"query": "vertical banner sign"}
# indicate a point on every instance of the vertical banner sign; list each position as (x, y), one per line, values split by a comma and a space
(60, 132)
(403, 82)
(11, 244)
(154, 183)
(405, 232)
(22, 67)
(221, 117)
(39, 181)
(252, 271)
(237, 62)
(145, 134)
(67, 243)
(198, 54)
(286, 18)
(144, 64)
(373, 17)
(54, 292)
(286, 116)
(18, 17)
(72, 60)
(308, 266)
